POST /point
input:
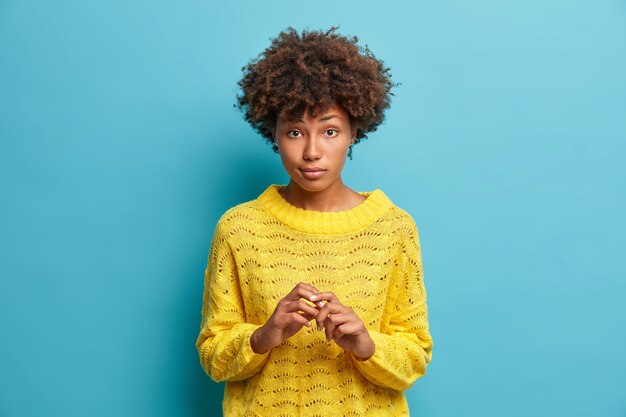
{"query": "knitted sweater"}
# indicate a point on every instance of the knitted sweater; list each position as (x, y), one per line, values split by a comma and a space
(369, 256)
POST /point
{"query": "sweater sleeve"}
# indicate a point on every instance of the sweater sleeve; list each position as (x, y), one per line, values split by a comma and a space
(224, 340)
(404, 348)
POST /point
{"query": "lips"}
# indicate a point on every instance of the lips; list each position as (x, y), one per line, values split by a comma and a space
(312, 173)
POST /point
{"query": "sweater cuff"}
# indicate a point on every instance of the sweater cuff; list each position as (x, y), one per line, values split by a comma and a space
(378, 340)
(249, 356)
(374, 369)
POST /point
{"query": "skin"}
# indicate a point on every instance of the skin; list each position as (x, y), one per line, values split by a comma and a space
(321, 141)
(318, 140)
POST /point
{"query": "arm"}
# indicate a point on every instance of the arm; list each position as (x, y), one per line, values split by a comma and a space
(224, 340)
(404, 349)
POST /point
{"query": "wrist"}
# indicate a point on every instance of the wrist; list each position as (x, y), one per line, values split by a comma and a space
(366, 349)
(256, 341)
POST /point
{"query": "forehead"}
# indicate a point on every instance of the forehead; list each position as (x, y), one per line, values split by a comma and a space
(317, 113)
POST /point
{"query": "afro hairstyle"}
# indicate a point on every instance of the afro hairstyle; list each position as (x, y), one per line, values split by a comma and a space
(314, 70)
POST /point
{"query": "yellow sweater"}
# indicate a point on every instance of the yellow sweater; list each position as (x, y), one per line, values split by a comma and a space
(368, 256)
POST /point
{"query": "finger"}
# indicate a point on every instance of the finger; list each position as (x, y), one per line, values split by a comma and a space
(329, 328)
(307, 316)
(309, 287)
(302, 290)
(310, 297)
(338, 319)
(313, 291)
(333, 321)
(298, 318)
(347, 328)
(325, 296)
(333, 308)
(301, 305)
(325, 311)
(321, 316)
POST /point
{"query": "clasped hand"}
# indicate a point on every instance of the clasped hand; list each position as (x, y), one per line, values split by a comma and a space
(340, 323)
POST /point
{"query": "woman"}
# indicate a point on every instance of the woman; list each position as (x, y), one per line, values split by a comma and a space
(314, 301)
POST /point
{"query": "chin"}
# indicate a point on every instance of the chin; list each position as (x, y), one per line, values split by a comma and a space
(311, 186)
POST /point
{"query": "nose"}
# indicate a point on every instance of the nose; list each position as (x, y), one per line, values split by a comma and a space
(312, 150)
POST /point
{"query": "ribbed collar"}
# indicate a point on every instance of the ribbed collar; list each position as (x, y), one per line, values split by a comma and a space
(324, 222)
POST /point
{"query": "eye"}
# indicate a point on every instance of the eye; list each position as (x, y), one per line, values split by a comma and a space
(289, 134)
(332, 130)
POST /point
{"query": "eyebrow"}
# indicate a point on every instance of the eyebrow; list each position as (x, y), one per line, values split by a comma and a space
(323, 119)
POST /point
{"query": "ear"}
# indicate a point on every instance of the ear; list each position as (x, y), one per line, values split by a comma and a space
(274, 140)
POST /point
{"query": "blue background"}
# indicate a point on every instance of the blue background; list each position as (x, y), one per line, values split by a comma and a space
(120, 148)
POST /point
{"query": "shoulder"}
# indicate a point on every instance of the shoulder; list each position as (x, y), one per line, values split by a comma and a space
(394, 213)
(235, 215)
(401, 216)
(244, 219)
(400, 222)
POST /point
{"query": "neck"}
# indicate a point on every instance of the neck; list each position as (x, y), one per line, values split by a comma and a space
(337, 197)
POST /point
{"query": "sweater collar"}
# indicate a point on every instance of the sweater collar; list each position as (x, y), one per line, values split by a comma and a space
(324, 222)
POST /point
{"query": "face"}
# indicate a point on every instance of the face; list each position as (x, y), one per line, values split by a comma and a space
(313, 149)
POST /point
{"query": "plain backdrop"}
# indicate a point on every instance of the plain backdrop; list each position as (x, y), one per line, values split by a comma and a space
(120, 148)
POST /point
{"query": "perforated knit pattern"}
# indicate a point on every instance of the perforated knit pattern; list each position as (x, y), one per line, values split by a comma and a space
(368, 256)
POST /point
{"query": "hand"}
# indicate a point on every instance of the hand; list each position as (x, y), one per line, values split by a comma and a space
(289, 316)
(342, 325)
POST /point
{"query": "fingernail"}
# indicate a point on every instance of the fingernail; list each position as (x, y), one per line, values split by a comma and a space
(313, 297)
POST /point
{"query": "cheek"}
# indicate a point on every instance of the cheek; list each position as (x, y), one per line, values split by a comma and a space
(287, 156)
(283, 158)
(340, 152)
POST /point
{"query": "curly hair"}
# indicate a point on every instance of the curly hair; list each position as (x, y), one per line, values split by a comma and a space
(315, 70)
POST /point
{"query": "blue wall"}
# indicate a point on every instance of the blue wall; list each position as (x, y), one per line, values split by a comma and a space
(120, 148)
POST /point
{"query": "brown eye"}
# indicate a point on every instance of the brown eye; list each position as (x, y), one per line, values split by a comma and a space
(331, 130)
(292, 131)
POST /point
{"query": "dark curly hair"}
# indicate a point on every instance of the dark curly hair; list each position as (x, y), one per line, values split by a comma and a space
(315, 70)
